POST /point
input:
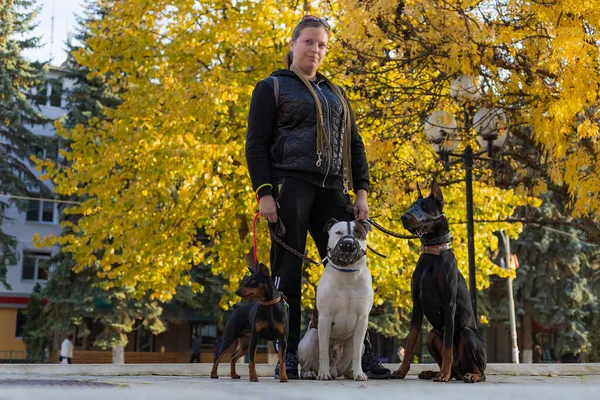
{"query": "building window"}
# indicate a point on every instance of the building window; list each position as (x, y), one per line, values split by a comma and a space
(44, 150)
(35, 266)
(21, 321)
(40, 97)
(52, 151)
(55, 93)
(43, 212)
(208, 334)
(37, 151)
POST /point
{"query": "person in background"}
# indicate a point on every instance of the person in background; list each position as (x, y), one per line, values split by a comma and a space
(537, 354)
(195, 353)
(66, 350)
(399, 355)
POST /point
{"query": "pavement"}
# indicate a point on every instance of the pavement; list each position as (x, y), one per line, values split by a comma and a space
(19, 386)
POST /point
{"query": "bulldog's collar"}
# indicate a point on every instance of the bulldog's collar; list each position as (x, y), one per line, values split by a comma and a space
(436, 250)
(344, 269)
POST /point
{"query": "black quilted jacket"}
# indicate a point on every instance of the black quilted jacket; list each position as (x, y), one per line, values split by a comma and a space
(281, 138)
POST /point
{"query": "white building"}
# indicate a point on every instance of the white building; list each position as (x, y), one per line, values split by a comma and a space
(42, 217)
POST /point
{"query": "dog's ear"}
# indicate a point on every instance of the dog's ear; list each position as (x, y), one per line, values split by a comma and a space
(365, 224)
(329, 224)
(264, 270)
(361, 228)
(252, 268)
(419, 191)
(436, 192)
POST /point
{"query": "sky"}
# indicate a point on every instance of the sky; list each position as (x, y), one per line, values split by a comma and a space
(64, 12)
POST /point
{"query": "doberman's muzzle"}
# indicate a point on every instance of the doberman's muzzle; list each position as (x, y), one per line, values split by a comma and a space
(347, 251)
(419, 222)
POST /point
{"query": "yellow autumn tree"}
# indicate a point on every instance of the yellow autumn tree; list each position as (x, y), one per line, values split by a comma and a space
(538, 62)
(168, 163)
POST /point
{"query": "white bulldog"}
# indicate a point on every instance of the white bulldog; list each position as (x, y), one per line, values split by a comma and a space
(344, 301)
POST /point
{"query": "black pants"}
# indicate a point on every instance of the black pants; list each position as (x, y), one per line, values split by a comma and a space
(302, 207)
(69, 359)
(194, 357)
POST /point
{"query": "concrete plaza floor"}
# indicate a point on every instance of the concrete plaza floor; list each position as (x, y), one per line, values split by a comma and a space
(88, 387)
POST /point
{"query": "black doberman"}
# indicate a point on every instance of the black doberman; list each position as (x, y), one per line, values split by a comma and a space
(440, 292)
(266, 319)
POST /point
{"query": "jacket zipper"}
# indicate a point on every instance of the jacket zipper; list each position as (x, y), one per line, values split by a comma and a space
(328, 130)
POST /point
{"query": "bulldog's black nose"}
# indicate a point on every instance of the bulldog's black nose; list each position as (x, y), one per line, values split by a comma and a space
(348, 244)
(405, 218)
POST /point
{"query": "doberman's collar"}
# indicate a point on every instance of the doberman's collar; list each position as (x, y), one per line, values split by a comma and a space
(270, 302)
(436, 250)
(447, 237)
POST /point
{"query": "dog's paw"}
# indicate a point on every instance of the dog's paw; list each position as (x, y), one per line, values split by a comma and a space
(427, 375)
(399, 374)
(309, 375)
(360, 376)
(441, 377)
(324, 376)
(472, 378)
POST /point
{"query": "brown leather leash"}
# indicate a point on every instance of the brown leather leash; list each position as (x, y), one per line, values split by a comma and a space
(277, 230)
(351, 210)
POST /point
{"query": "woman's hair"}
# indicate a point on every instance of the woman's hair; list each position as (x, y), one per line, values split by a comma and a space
(308, 21)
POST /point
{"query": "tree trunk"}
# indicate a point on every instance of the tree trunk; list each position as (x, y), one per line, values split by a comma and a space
(118, 355)
(527, 335)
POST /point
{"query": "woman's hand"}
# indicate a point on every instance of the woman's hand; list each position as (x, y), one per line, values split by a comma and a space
(361, 207)
(267, 208)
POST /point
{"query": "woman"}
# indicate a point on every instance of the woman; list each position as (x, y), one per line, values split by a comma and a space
(304, 154)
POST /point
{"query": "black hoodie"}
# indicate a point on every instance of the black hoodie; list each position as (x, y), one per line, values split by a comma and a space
(281, 138)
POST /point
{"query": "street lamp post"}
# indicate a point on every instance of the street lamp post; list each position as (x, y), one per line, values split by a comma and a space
(468, 164)
(442, 131)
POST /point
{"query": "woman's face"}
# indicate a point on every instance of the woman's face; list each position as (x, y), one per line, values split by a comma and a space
(309, 50)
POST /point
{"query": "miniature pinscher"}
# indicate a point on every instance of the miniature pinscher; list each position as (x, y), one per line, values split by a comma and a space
(265, 319)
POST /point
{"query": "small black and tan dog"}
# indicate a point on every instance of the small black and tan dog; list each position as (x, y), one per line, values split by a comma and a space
(265, 319)
(440, 292)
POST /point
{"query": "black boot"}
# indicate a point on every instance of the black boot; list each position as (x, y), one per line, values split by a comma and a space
(291, 366)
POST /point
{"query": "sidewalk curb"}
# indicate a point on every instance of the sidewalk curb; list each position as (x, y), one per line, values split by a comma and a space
(265, 370)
